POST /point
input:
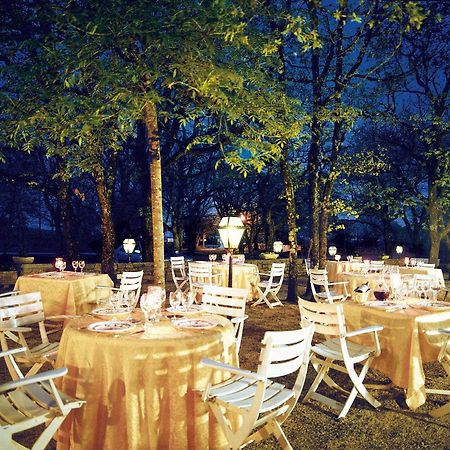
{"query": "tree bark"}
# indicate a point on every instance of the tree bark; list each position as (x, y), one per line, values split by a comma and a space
(151, 124)
(291, 212)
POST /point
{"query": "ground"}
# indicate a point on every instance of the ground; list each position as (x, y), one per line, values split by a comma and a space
(313, 426)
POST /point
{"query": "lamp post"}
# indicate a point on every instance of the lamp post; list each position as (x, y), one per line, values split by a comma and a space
(399, 250)
(129, 245)
(231, 230)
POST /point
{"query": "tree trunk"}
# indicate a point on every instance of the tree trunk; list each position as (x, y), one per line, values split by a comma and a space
(292, 225)
(151, 124)
(67, 220)
(106, 222)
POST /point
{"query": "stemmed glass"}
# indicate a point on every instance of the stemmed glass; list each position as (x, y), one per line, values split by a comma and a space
(175, 300)
(210, 257)
(151, 306)
(75, 265)
(115, 299)
(81, 265)
(214, 256)
(63, 266)
(187, 300)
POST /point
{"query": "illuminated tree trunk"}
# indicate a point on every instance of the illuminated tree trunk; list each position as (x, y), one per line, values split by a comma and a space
(104, 193)
(291, 212)
(151, 123)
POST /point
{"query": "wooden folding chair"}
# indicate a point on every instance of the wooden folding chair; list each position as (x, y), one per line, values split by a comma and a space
(229, 302)
(320, 287)
(444, 359)
(329, 321)
(271, 286)
(28, 402)
(261, 404)
(17, 314)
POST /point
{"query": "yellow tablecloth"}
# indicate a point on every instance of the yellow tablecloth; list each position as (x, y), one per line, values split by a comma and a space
(139, 389)
(357, 279)
(70, 293)
(404, 346)
(336, 267)
(245, 276)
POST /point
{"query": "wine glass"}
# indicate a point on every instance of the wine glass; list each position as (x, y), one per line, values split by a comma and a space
(174, 300)
(81, 265)
(75, 265)
(115, 299)
(210, 257)
(63, 266)
(214, 256)
(128, 300)
(187, 300)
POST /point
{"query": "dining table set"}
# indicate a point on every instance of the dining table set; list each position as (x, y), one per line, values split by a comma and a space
(410, 318)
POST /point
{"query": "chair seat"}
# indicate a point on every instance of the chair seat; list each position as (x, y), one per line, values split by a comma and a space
(331, 348)
(333, 296)
(46, 350)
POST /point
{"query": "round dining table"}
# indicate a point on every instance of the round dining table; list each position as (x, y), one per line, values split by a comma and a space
(141, 387)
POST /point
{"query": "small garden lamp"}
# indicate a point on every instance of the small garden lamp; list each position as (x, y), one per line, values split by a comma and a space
(399, 250)
(332, 250)
(277, 246)
(231, 230)
(129, 244)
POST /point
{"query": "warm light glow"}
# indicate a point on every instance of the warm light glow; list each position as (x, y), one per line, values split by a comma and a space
(399, 249)
(332, 250)
(231, 230)
(129, 245)
(277, 246)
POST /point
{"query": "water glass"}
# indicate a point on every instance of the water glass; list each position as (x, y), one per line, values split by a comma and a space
(187, 300)
(175, 300)
(81, 265)
(115, 300)
(75, 265)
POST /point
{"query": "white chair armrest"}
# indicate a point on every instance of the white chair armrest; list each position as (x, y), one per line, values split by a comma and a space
(17, 329)
(337, 282)
(12, 351)
(265, 274)
(49, 375)
(7, 294)
(216, 365)
(238, 319)
(371, 329)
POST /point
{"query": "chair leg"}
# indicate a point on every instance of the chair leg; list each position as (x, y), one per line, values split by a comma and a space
(279, 434)
(319, 377)
(441, 411)
(46, 436)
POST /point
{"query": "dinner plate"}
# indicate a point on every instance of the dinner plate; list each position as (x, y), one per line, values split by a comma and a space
(382, 304)
(433, 306)
(111, 326)
(109, 313)
(194, 324)
(181, 310)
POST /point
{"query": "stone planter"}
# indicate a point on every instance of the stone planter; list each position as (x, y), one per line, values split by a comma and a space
(23, 259)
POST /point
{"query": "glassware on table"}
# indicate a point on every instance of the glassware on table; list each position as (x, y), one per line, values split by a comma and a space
(435, 287)
(337, 258)
(187, 300)
(350, 258)
(59, 263)
(396, 284)
(210, 257)
(214, 256)
(128, 300)
(75, 265)
(151, 306)
(81, 265)
(175, 299)
(115, 300)
(63, 266)
(381, 291)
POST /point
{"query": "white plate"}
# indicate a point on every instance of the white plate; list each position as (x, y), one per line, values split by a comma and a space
(182, 310)
(112, 326)
(382, 304)
(433, 306)
(109, 312)
(194, 324)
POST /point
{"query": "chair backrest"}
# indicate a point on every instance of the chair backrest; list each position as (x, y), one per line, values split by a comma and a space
(132, 281)
(178, 266)
(318, 279)
(200, 270)
(328, 318)
(225, 301)
(376, 266)
(285, 352)
(21, 310)
(228, 302)
(277, 274)
(307, 265)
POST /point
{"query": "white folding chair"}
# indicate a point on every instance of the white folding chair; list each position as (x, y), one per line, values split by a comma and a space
(422, 285)
(328, 320)
(17, 314)
(307, 265)
(201, 275)
(28, 402)
(261, 404)
(179, 276)
(320, 287)
(444, 359)
(9, 293)
(426, 265)
(229, 302)
(376, 266)
(271, 286)
(130, 282)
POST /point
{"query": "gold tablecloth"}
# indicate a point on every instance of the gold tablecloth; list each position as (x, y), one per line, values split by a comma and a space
(244, 276)
(357, 279)
(139, 389)
(72, 293)
(404, 346)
